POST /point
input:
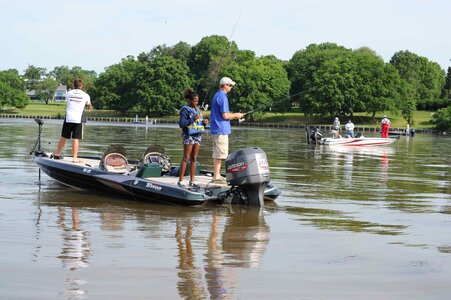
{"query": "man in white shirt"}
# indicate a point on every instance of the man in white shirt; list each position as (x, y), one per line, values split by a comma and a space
(77, 100)
(350, 129)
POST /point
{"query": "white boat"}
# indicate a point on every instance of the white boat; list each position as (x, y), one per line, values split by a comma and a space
(361, 141)
(316, 137)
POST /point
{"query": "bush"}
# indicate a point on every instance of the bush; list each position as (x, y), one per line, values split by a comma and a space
(442, 119)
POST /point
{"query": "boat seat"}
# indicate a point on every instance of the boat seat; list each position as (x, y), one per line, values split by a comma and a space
(154, 154)
(114, 160)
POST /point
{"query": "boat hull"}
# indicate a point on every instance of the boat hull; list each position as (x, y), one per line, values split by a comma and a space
(357, 141)
(89, 176)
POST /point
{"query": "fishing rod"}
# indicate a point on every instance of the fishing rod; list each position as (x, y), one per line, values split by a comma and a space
(274, 102)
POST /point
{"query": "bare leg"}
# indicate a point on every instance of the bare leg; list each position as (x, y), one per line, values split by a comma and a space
(61, 145)
(193, 160)
(217, 168)
(75, 144)
(186, 154)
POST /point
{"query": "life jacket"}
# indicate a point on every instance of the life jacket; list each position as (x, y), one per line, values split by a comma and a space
(197, 126)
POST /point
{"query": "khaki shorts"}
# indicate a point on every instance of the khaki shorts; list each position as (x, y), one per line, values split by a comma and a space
(220, 146)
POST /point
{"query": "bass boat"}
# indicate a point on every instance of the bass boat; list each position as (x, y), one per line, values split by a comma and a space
(154, 178)
(317, 137)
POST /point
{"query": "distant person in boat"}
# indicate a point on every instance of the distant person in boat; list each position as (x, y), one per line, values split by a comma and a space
(77, 100)
(193, 124)
(350, 129)
(336, 127)
(220, 118)
(385, 126)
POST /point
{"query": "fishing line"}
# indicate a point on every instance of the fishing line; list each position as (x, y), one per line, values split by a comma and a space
(222, 60)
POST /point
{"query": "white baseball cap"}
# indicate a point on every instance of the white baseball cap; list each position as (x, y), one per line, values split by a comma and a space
(226, 80)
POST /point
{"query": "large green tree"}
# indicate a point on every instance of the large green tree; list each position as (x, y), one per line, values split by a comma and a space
(159, 84)
(262, 84)
(45, 89)
(328, 79)
(206, 60)
(425, 78)
(306, 78)
(65, 75)
(12, 90)
(113, 89)
(33, 76)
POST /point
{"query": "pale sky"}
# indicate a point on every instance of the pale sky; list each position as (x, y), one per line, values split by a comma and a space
(95, 34)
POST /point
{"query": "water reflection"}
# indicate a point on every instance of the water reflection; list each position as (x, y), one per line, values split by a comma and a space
(212, 244)
(75, 251)
(243, 241)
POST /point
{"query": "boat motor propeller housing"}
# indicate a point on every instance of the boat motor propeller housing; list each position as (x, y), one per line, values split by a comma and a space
(248, 169)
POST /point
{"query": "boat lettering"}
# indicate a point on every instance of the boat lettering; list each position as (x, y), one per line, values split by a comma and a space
(263, 163)
(87, 170)
(153, 186)
(238, 167)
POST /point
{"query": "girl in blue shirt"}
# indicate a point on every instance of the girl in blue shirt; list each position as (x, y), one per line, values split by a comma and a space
(192, 124)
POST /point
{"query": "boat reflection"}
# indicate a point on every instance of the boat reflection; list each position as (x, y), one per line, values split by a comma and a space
(212, 243)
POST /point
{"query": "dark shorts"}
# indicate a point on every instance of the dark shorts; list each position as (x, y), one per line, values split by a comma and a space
(72, 130)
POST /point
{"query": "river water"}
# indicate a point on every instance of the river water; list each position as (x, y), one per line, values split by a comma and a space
(350, 224)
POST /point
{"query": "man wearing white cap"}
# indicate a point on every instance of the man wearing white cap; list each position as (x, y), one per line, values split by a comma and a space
(220, 125)
(385, 125)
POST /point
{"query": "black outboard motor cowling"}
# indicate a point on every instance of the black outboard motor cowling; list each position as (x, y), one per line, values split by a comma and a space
(248, 168)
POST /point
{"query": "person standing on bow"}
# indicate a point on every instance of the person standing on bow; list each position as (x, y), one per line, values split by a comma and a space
(220, 128)
(336, 127)
(193, 124)
(385, 126)
(77, 100)
(350, 129)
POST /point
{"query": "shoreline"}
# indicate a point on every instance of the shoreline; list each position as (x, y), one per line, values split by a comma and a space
(321, 127)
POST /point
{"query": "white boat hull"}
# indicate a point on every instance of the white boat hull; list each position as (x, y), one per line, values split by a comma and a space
(364, 141)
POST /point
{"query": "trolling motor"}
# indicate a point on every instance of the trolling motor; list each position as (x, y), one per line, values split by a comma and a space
(315, 136)
(247, 171)
(37, 146)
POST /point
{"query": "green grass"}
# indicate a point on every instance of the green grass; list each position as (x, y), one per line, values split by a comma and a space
(421, 118)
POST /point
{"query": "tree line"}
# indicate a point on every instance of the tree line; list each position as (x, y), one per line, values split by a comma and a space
(322, 79)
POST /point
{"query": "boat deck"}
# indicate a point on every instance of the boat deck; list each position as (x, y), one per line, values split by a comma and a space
(202, 180)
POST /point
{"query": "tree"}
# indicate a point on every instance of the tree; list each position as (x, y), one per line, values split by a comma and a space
(206, 60)
(377, 83)
(426, 78)
(65, 75)
(159, 84)
(32, 76)
(442, 119)
(12, 90)
(45, 89)
(113, 89)
(303, 72)
(447, 88)
(262, 83)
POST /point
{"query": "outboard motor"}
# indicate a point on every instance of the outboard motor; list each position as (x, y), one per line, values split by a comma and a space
(248, 169)
(316, 135)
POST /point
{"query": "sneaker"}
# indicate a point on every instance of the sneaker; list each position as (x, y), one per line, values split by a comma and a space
(181, 184)
(194, 185)
(56, 156)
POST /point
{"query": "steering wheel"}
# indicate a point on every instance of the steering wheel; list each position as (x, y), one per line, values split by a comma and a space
(156, 157)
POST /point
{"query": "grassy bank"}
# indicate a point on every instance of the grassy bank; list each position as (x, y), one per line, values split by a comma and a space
(421, 118)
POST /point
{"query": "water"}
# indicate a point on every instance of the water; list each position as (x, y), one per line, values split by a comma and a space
(349, 225)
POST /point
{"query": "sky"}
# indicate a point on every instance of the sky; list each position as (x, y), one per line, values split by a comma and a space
(95, 34)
